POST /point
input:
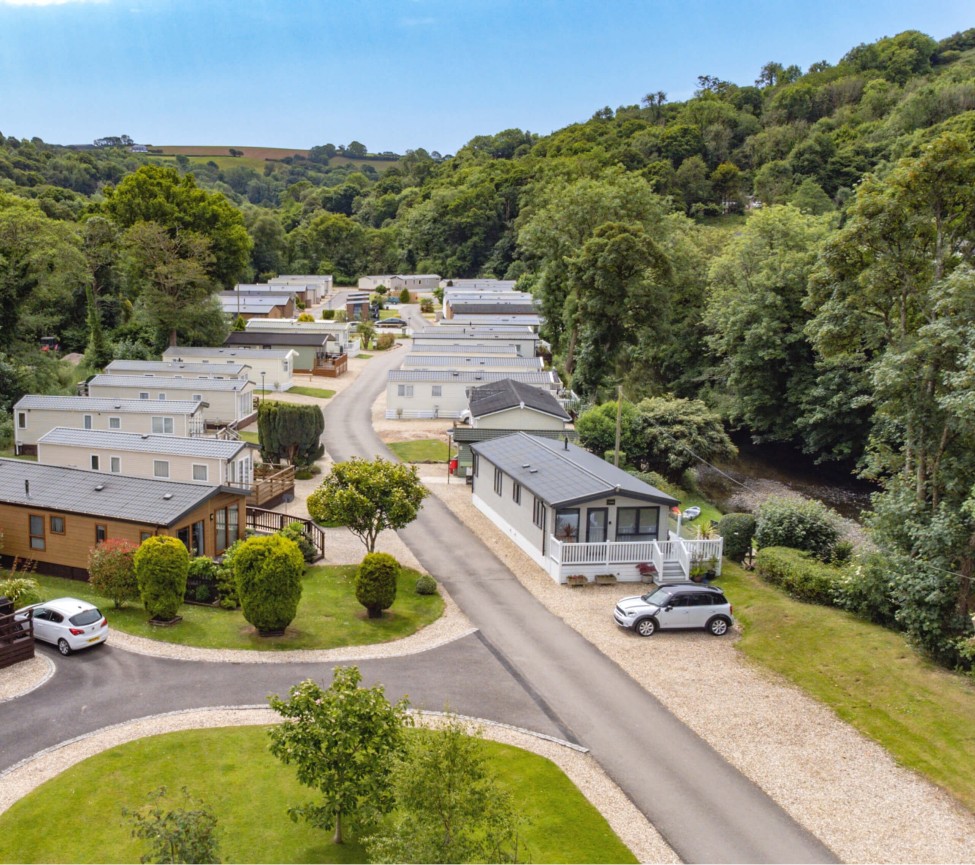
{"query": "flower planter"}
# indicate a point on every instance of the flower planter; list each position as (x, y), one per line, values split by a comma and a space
(577, 580)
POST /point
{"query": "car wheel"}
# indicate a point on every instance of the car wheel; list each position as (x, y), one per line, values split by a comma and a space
(63, 647)
(718, 626)
(645, 627)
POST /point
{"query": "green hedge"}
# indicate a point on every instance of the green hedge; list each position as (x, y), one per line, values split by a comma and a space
(800, 574)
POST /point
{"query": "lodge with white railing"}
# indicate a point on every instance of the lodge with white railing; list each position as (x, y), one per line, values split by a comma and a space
(578, 516)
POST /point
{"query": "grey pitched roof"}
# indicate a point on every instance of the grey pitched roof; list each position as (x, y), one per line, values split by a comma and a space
(175, 367)
(285, 339)
(562, 474)
(549, 378)
(508, 393)
(106, 404)
(146, 382)
(195, 446)
(462, 348)
(483, 307)
(465, 436)
(147, 501)
(416, 360)
(225, 352)
(496, 331)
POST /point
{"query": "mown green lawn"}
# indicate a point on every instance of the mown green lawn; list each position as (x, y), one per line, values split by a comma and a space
(923, 715)
(364, 356)
(77, 817)
(329, 616)
(250, 436)
(320, 392)
(421, 451)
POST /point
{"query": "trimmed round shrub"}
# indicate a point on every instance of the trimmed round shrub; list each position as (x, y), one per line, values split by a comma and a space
(328, 314)
(161, 566)
(800, 574)
(268, 571)
(111, 571)
(426, 585)
(737, 531)
(803, 524)
(385, 341)
(375, 583)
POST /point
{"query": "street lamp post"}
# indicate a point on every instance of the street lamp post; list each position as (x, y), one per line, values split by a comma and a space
(262, 386)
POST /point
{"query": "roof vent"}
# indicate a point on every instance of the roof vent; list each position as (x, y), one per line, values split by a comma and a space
(118, 405)
(167, 496)
(145, 436)
(99, 487)
(526, 465)
(532, 471)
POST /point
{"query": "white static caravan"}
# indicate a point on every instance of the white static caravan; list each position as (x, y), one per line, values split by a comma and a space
(526, 342)
(482, 363)
(191, 460)
(316, 286)
(340, 331)
(177, 369)
(271, 368)
(422, 393)
(35, 415)
(227, 401)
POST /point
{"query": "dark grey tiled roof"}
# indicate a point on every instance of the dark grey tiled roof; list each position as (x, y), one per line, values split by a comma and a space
(508, 393)
(494, 348)
(136, 500)
(107, 404)
(196, 446)
(464, 436)
(561, 474)
(483, 307)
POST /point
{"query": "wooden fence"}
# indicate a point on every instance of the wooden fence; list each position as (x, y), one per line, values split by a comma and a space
(16, 642)
(261, 520)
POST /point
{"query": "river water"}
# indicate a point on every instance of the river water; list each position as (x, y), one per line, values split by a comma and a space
(764, 470)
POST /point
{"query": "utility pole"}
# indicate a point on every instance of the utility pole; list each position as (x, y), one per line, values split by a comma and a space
(619, 422)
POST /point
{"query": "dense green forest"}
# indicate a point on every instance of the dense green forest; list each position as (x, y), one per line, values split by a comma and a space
(796, 252)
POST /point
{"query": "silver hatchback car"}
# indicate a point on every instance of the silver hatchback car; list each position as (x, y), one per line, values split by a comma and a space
(676, 605)
(68, 623)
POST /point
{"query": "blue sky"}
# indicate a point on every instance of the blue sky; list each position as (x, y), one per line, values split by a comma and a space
(397, 74)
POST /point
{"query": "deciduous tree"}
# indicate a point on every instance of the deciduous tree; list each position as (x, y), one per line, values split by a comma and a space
(342, 742)
(368, 496)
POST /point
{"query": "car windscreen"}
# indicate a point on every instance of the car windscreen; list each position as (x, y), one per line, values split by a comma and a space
(660, 597)
(85, 617)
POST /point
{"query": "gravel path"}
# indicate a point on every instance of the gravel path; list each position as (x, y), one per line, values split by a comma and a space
(24, 677)
(840, 785)
(631, 826)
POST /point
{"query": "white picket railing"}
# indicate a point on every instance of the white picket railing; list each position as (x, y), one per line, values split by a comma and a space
(684, 552)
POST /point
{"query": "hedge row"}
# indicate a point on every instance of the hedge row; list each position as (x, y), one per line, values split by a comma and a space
(800, 574)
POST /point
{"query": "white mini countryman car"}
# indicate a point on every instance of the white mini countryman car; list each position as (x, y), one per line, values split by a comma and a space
(676, 605)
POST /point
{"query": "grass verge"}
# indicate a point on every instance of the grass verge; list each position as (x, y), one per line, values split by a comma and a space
(249, 436)
(320, 392)
(923, 715)
(421, 450)
(250, 791)
(329, 615)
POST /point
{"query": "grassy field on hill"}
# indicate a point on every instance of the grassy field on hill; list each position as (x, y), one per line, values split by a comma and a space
(254, 157)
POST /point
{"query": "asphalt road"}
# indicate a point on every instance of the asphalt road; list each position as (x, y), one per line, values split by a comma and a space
(705, 809)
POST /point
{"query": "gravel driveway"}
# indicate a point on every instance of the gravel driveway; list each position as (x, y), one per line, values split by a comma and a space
(841, 786)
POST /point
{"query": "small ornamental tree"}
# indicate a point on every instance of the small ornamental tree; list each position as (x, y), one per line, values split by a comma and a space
(368, 496)
(375, 583)
(450, 804)
(268, 571)
(111, 571)
(404, 296)
(343, 741)
(161, 566)
(290, 432)
(183, 830)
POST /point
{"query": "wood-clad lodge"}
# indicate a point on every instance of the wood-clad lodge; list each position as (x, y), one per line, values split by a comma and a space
(54, 516)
